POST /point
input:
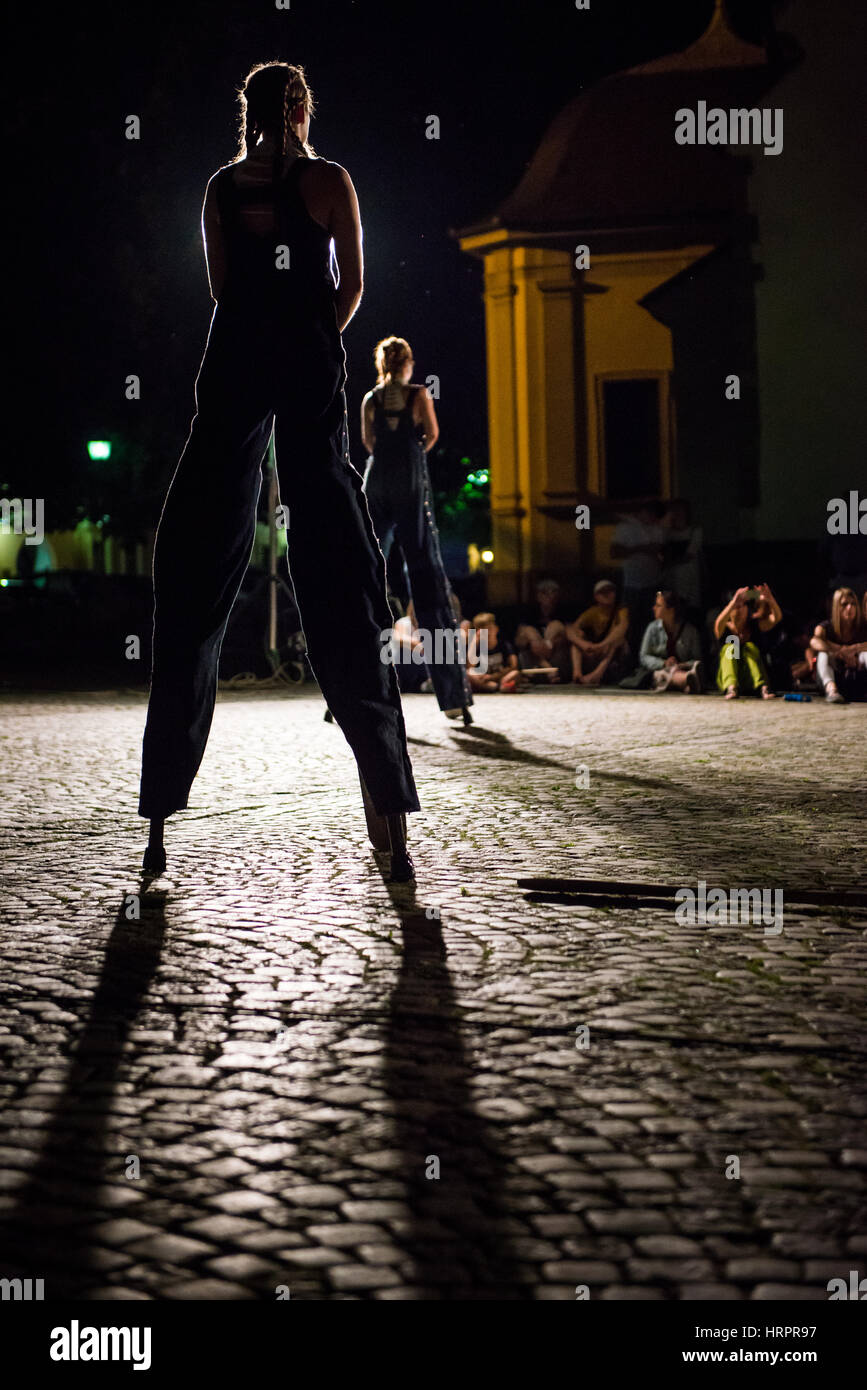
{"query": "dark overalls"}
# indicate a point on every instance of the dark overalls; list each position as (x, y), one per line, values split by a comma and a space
(274, 351)
(398, 490)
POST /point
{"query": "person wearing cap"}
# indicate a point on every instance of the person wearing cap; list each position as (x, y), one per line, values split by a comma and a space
(598, 638)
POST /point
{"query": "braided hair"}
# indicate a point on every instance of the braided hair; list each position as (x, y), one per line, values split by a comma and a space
(269, 95)
(390, 355)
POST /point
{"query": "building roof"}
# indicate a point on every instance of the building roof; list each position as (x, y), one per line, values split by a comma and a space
(718, 47)
(609, 160)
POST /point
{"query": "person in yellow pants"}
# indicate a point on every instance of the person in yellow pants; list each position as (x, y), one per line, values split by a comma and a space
(741, 668)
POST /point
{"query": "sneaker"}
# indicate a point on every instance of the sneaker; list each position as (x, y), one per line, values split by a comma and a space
(426, 687)
(833, 697)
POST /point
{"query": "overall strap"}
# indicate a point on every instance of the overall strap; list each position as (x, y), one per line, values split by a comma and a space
(290, 177)
(379, 399)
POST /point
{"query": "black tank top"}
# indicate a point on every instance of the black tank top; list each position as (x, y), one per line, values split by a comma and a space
(398, 445)
(285, 275)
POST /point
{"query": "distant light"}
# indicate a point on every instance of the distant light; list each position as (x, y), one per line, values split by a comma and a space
(99, 448)
(4, 583)
(487, 556)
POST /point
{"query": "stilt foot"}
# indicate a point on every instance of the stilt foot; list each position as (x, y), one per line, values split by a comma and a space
(154, 861)
(402, 867)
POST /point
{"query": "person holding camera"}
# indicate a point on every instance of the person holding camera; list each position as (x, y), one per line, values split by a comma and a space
(749, 613)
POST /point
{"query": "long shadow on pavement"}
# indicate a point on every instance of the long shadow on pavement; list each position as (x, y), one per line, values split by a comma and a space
(459, 1235)
(486, 743)
(47, 1232)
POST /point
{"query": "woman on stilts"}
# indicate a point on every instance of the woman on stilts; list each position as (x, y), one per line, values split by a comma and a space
(399, 428)
(274, 359)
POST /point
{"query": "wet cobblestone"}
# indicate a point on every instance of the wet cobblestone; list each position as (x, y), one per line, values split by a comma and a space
(271, 1070)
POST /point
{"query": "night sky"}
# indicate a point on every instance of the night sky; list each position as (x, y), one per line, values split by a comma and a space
(107, 274)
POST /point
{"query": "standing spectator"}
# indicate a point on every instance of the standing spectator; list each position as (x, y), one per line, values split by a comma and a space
(840, 645)
(638, 542)
(541, 637)
(748, 613)
(682, 567)
(598, 638)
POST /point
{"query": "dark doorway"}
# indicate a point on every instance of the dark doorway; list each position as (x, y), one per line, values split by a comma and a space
(631, 424)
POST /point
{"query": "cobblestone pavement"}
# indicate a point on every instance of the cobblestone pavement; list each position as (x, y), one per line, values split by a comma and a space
(286, 1051)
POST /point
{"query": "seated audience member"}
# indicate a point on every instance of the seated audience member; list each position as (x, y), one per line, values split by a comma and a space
(598, 638)
(840, 645)
(541, 636)
(502, 664)
(670, 648)
(682, 566)
(748, 614)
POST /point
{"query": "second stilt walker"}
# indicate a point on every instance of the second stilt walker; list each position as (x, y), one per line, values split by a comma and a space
(399, 428)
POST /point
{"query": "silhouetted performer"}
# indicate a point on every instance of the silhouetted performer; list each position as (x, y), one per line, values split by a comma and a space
(399, 427)
(274, 352)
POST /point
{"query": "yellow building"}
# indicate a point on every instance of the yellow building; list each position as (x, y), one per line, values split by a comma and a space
(618, 294)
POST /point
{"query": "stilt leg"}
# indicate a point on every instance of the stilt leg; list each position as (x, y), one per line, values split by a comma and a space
(154, 861)
(402, 867)
(388, 833)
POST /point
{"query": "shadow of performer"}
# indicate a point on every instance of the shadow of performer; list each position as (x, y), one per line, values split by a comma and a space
(458, 1238)
(46, 1233)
